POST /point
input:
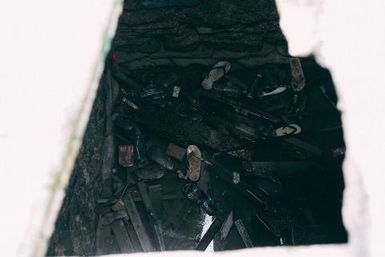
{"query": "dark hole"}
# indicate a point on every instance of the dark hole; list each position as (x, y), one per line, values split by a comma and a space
(201, 112)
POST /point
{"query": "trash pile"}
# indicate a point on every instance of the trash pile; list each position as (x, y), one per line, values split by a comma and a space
(240, 145)
(203, 120)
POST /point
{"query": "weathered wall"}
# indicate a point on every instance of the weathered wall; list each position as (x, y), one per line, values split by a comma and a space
(75, 228)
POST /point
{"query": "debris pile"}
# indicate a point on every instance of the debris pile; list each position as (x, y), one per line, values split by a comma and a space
(222, 141)
(203, 115)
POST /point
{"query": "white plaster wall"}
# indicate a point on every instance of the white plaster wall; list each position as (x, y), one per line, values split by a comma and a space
(348, 37)
(49, 52)
(49, 64)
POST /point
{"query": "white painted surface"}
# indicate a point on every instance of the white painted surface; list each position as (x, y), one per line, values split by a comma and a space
(48, 56)
(350, 41)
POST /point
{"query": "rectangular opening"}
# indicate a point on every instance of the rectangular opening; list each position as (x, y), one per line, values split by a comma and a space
(201, 112)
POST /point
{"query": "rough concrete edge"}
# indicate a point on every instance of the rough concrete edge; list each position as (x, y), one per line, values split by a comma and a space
(79, 124)
(355, 197)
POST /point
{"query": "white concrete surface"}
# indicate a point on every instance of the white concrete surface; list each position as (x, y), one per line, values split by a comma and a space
(349, 40)
(48, 54)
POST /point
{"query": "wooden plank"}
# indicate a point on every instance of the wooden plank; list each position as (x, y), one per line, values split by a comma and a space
(137, 222)
(226, 226)
(243, 233)
(155, 194)
(134, 238)
(154, 219)
(122, 237)
(142, 187)
(103, 239)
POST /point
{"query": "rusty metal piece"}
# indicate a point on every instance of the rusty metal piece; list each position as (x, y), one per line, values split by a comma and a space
(126, 155)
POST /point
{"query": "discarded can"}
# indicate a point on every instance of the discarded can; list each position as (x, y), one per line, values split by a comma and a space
(126, 155)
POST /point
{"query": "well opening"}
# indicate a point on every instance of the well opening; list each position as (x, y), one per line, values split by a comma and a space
(206, 84)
